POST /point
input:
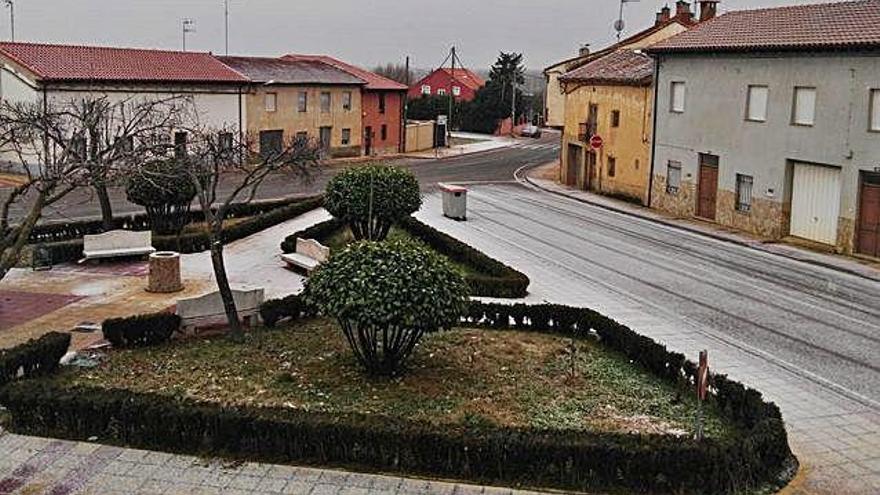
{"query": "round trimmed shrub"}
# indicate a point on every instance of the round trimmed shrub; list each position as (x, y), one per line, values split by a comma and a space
(166, 191)
(373, 198)
(386, 296)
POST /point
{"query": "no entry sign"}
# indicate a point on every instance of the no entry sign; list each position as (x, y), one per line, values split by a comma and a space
(596, 142)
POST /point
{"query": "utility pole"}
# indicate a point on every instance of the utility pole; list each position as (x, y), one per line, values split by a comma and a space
(405, 109)
(512, 103)
(11, 5)
(451, 101)
(188, 26)
(226, 23)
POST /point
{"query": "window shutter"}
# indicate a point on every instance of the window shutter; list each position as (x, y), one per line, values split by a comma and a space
(875, 109)
(804, 106)
(757, 103)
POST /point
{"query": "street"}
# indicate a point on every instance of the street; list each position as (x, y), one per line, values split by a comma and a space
(805, 335)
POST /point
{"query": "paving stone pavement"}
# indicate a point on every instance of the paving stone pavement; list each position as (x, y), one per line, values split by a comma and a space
(31, 465)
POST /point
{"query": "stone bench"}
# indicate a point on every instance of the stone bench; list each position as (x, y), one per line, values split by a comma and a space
(308, 256)
(209, 309)
(117, 243)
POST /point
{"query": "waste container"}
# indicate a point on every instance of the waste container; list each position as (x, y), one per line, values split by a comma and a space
(164, 273)
(454, 201)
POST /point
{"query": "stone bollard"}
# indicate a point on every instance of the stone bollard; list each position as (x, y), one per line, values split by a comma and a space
(164, 272)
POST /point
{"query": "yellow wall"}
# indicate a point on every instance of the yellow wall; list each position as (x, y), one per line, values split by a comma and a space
(287, 117)
(629, 143)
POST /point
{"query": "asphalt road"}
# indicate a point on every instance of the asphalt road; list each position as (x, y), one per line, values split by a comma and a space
(489, 166)
(824, 323)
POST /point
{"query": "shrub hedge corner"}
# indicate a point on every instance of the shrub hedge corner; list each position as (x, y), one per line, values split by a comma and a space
(40, 356)
(140, 330)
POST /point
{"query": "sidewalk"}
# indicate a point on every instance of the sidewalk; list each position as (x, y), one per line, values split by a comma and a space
(537, 177)
(486, 143)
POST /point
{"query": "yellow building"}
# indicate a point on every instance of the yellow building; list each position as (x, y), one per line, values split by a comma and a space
(292, 99)
(611, 95)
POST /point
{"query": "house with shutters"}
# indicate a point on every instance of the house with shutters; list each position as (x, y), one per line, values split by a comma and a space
(290, 99)
(768, 121)
(610, 95)
(461, 83)
(382, 102)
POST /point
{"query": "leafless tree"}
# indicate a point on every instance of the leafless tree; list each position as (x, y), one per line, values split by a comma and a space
(395, 72)
(214, 156)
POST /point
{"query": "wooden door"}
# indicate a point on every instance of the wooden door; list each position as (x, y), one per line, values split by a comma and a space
(573, 164)
(368, 140)
(590, 173)
(868, 234)
(708, 186)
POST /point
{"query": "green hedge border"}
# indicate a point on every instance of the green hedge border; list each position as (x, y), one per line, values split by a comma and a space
(499, 281)
(35, 357)
(757, 456)
(264, 215)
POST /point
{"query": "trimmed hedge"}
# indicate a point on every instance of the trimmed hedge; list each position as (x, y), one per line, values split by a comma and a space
(291, 308)
(264, 215)
(496, 278)
(35, 357)
(757, 453)
(140, 330)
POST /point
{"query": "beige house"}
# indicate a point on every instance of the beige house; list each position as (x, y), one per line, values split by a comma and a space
(554, 98)
(291, 99)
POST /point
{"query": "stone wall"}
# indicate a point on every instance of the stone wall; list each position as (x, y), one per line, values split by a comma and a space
(680, 204)
(764, 218)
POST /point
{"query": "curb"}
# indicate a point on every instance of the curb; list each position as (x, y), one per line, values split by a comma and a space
(523, 178)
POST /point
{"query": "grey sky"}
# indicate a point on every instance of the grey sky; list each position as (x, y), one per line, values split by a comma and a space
(365, 32)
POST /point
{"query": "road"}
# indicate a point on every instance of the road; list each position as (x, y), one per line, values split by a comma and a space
(489, 166)
(807, 336)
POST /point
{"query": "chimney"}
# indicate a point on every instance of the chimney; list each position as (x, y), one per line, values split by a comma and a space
(708, 9)
(584, 50)
(662, 16)
(683, 11)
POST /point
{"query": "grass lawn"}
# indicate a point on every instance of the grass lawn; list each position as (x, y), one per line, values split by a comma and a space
(463, 376)
(343, 237)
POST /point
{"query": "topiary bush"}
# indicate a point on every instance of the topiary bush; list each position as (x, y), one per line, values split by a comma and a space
(166, 191)
(35, 357)
(140, 330)
(385, 296)
(373, 198)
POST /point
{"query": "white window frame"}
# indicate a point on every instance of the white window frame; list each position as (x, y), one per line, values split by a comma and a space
(456, 90)
(796, 118)
(670, 166)
(676, 106)
(744, 196)
(441, 92)
(346, 101)
(874, 110)
(757, 100)
(426, 89)
(271, 102)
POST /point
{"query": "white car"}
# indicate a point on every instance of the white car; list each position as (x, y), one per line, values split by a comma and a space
(531, 131)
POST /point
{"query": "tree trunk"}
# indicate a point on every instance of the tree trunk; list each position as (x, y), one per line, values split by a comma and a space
(106, 206)
(235, 331)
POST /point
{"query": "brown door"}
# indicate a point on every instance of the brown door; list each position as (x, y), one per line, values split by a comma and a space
(368, 140)
(708, 186)
(868, 240)
(590, 173)
(573, 163)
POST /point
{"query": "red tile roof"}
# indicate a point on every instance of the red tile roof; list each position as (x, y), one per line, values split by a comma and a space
(620, 67)
(287, 71)
(829, 26)
(374, 81)
(466, 77)
(94, 63)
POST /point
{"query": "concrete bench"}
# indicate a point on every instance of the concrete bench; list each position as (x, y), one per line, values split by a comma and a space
(309, 255)
(209, 309)
(117, 243)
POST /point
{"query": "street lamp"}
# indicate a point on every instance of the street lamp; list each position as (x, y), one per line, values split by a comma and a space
(189, 26)
(11, 5)
(619, 25)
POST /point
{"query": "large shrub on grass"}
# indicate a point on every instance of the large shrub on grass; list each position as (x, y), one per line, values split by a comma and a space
(166, 191)
(386, 296)
(372, 198)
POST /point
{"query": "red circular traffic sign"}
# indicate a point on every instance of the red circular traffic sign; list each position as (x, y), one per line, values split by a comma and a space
(596, 142)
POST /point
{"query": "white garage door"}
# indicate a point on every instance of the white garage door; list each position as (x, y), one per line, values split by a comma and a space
(815, 202)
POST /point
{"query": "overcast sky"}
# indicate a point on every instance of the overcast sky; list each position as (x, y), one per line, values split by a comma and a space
(366, 32)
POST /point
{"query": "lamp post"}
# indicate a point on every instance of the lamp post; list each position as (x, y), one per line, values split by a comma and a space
(619, 25)
(226, 24)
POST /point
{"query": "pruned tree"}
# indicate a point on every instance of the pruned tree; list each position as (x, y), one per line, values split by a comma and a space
(240, 165)
(372, 199)
(166, 191)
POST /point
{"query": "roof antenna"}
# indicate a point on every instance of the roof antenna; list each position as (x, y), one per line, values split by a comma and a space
(619, 25)
(11, 5)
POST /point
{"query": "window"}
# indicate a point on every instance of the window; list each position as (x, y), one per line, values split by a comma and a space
(324, 136)
(346, 137)
(756, 103)
(743, 192)
(426, 89)
(673, 177)
(615, 118)
(456, 90)
(271, 101)
(224, 142)
(180, 139)
(441, 92)
(302, 136)
(271, 143)
(346, 101)
(325, 102)
(676, 100)
(874, 124)
(384, 132)
(381, 102)
(612, 166)
(804, 108)
(302, 102)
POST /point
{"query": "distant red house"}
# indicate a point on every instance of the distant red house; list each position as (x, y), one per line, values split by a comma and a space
(382, 102)
(463, 84)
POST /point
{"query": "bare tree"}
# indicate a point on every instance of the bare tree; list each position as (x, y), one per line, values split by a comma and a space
(395, 72)
(221, 156)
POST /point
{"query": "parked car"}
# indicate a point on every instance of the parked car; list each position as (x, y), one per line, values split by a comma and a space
(531, 131)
